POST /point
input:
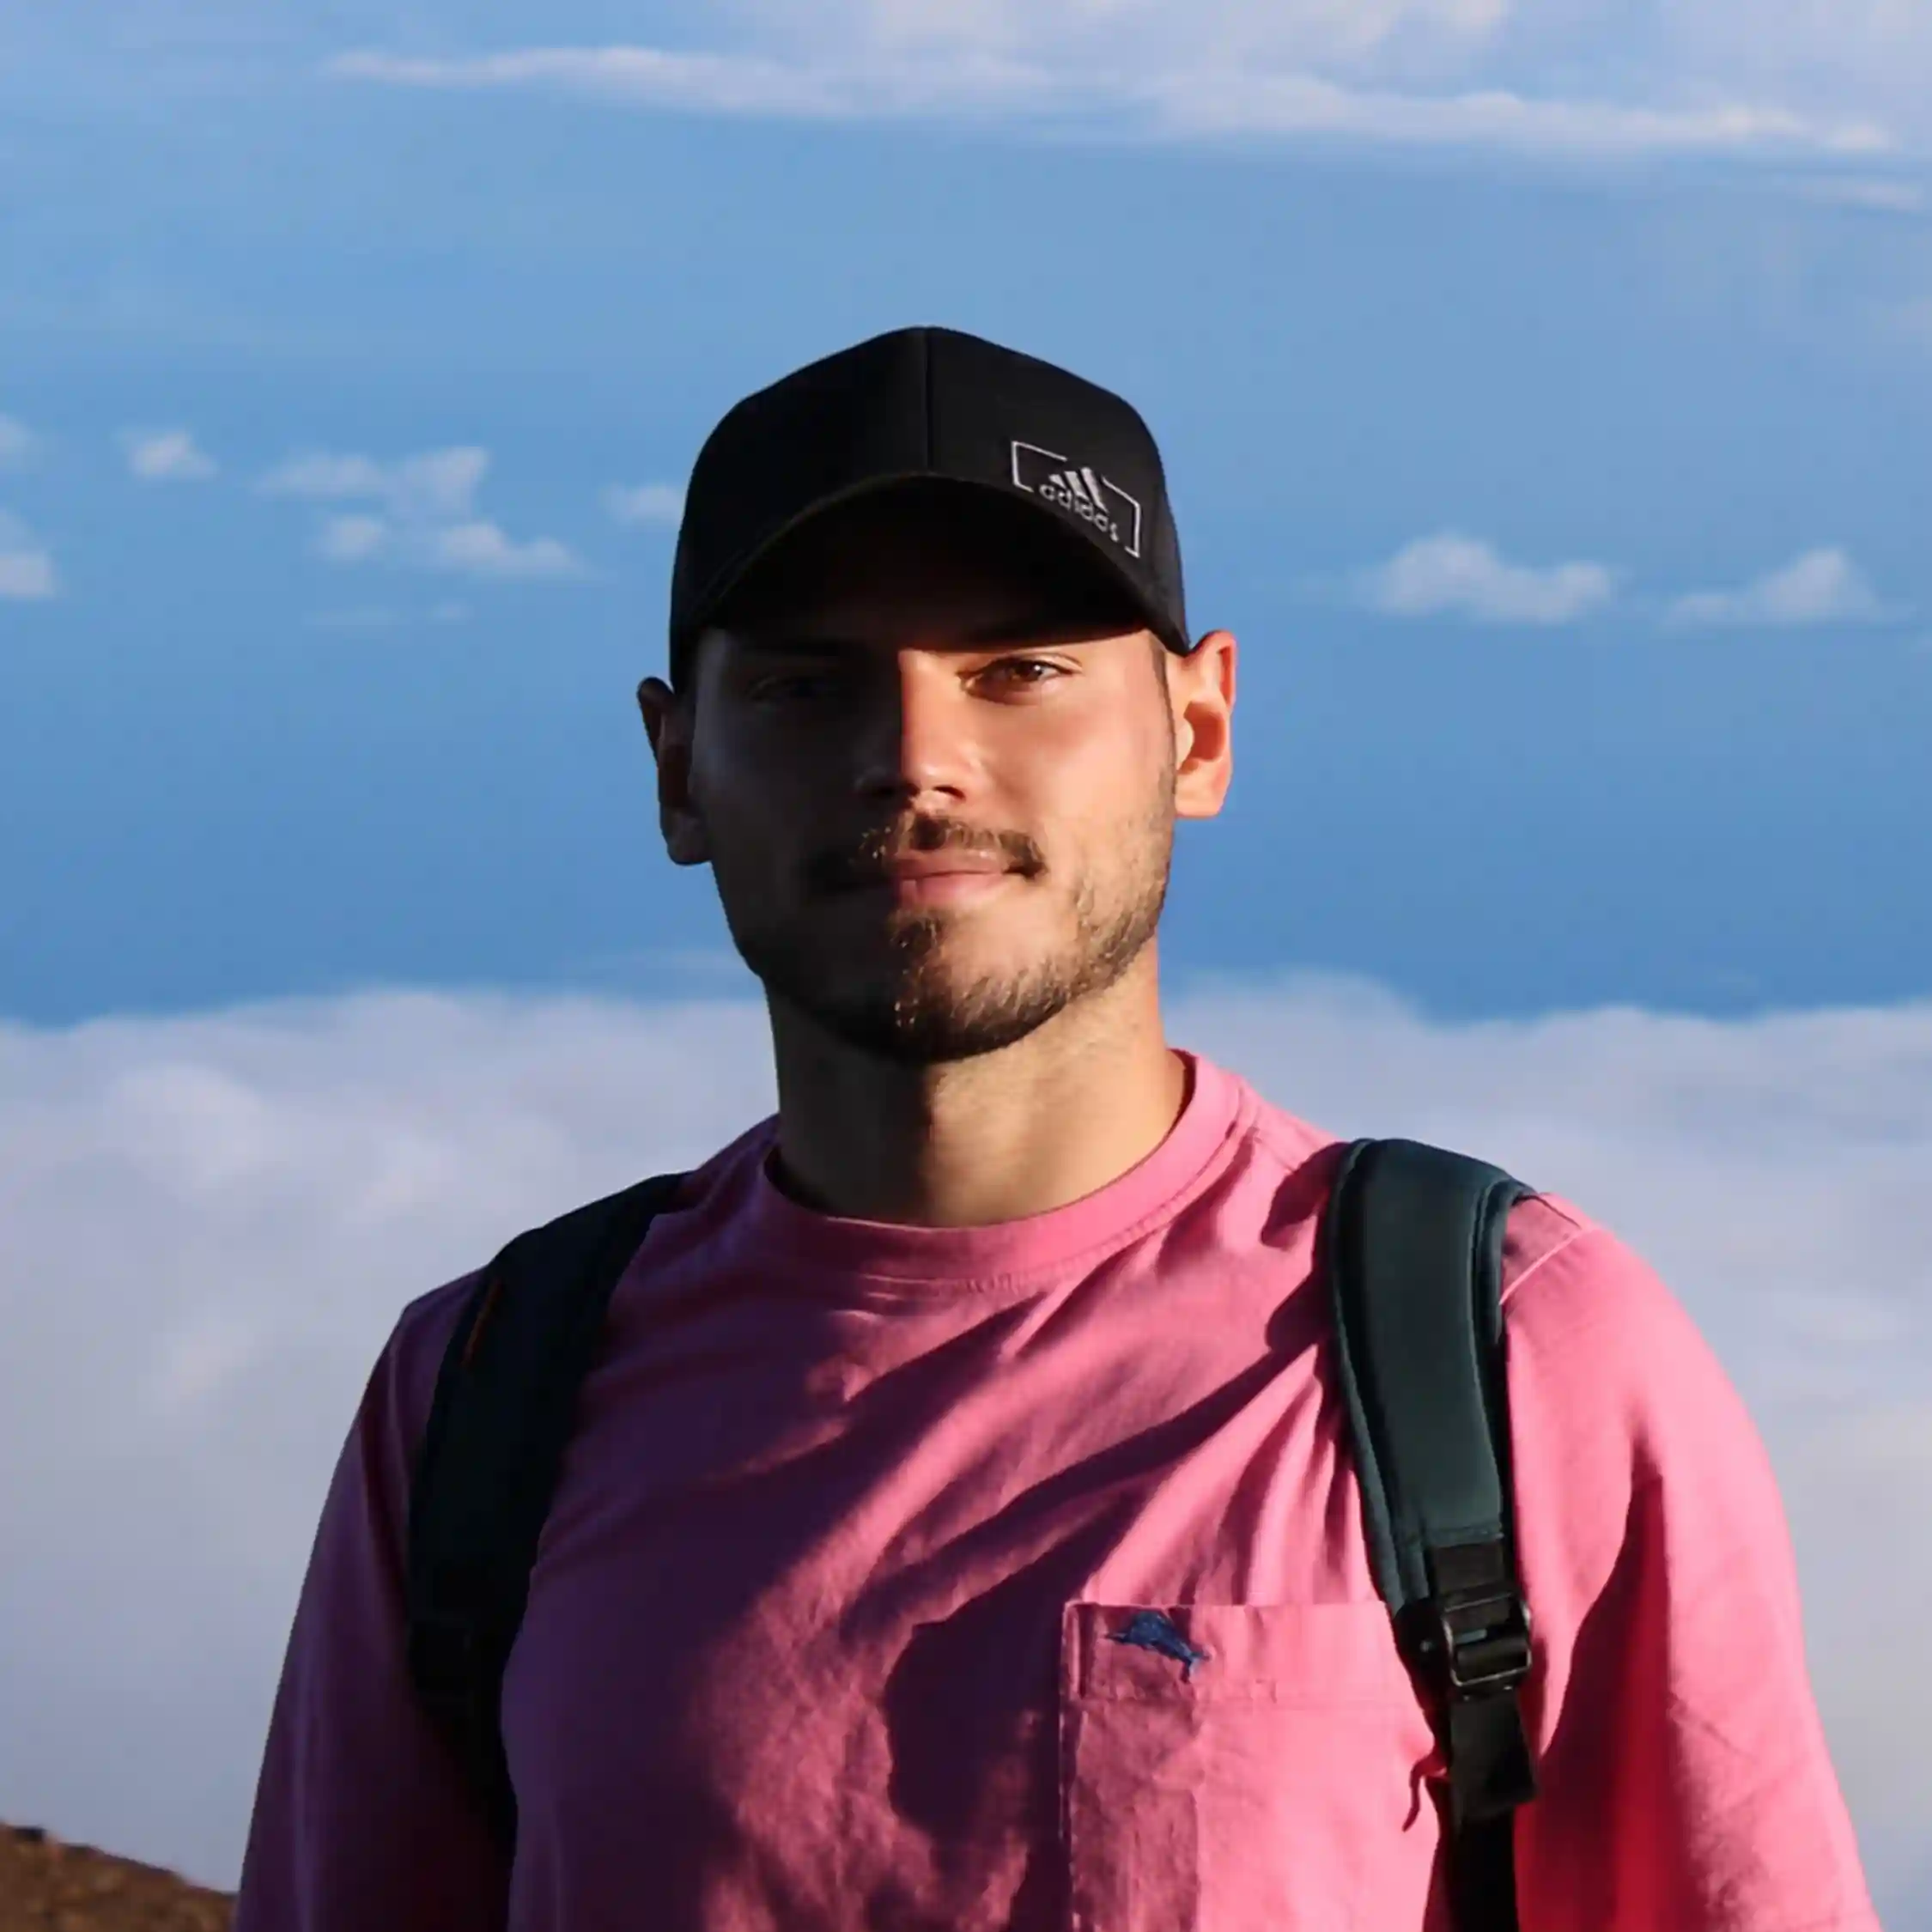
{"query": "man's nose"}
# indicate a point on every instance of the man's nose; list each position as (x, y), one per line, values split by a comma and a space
(915, 734)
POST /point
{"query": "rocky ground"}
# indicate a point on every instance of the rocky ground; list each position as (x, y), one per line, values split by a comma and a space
(49, 1886)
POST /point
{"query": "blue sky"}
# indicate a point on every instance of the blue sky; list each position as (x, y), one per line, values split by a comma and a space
(231, 767)
(1546, 389)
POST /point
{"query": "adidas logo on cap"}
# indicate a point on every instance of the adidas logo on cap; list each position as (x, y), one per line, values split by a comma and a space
(1114, 512)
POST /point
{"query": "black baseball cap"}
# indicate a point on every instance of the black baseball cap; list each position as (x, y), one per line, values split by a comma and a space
(919, 405)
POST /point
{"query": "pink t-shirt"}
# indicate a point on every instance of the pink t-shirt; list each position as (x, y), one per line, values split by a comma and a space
(819, 1636)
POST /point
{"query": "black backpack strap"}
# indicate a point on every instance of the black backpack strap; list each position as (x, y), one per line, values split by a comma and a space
(1414, 1239)
(503, 1411)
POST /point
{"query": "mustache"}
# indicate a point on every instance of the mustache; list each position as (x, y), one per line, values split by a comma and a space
(863, 863)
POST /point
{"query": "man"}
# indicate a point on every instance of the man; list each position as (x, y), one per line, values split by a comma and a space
(959, 1529)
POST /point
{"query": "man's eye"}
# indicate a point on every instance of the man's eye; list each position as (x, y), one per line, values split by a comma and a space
(1028, 664)
(788, 683)
(784, 683)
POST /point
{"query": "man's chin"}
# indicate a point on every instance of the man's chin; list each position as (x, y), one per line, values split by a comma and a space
(922, 1032)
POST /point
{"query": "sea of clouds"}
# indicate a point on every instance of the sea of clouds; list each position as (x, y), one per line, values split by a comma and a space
(208, 1224)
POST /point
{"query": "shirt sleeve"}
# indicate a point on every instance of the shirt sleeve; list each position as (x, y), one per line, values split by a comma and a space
(362, 1818)
(1685, 1782)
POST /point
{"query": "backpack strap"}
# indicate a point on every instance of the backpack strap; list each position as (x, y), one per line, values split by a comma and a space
(503, 1411)
(1414, 1238)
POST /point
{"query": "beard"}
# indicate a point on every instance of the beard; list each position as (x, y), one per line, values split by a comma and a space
(914, 1010)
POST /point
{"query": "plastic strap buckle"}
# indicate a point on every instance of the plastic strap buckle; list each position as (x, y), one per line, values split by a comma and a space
(1482, 1640)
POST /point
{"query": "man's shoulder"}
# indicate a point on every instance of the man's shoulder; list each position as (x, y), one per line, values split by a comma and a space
(1563, 1269)
(1307, 1158)
(1607, 1360)
(413, 1353)
(1542, 1227)
(427, 1322)
(403, 1380)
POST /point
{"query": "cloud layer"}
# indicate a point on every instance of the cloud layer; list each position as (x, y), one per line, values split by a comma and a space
(167, 456)
(1450, 573)
(644, 503)
(27, 567)
(1710, 76)
(1160, 105)
(210, 1223)
(1821, 586)
(437, 485)
(425, 515)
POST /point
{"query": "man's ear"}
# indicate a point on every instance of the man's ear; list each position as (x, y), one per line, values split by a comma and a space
(1205, 697)
(667, 723)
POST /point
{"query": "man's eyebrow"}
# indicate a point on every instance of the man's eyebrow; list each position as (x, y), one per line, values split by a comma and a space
(1056, 629)
(1056, 632)
(801, 645)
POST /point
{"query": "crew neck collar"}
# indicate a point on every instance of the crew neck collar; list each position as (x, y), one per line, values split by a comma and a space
(1005, 1254)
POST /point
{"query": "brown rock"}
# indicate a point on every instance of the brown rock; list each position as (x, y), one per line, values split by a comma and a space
(75, 1888)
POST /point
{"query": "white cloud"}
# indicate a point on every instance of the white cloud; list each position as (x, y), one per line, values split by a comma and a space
(481, 549)
(348, 539)
(428, 519)
(648, 76)
(319, 474)
(1450, 573)
(643, 503)
(1229, 30)
(221, 1215)
(1877, 194)
(440, 483)
(1821, 586)
(1739, 75)
(1143, 73)
(167, 456)
(27, 568)
(1501, 118)
(18, 444)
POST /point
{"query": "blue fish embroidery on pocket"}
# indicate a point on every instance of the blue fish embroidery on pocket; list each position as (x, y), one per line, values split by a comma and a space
(1154, 1630)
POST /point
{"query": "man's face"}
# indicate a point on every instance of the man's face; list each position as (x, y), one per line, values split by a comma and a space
(905, 681)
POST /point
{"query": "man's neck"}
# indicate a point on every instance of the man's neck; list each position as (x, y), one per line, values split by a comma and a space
(996, 1139)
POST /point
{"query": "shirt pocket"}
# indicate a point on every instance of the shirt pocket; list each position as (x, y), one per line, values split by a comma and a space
(1242, 1768)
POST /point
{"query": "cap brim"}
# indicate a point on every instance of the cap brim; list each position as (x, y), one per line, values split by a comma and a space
(1089, 549)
